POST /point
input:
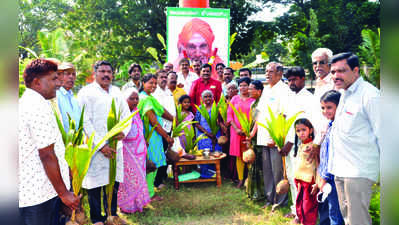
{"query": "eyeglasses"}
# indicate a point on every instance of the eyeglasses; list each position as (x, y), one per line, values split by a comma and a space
(319, 62)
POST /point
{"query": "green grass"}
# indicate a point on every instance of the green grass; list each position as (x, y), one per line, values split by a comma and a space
(204, 203)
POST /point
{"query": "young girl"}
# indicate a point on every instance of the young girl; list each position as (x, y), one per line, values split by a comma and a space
(305, 174)
(328, 194)
(185, 103)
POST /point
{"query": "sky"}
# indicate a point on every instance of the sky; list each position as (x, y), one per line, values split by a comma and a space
(269, 13)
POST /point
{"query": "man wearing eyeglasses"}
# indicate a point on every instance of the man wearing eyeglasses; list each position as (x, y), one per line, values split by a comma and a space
(321, 66)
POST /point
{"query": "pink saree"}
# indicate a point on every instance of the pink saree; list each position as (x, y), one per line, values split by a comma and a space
(133, 192)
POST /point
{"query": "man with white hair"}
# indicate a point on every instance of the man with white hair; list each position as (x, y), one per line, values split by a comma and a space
(321, 66)
(168, 66)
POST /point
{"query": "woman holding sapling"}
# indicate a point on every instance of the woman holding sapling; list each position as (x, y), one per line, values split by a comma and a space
(255, 190)
(133, 192)
(203, 127)
(151, 110)
(241, 102)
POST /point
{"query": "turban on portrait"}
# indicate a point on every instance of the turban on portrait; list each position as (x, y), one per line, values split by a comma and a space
(196, 26)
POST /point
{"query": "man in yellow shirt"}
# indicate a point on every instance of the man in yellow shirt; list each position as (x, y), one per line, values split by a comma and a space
(176, 91)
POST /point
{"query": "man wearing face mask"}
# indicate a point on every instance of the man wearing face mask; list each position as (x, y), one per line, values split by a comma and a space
(165, 98)
(97, 98)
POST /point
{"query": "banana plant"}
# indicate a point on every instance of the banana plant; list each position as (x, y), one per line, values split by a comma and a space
(278, 126)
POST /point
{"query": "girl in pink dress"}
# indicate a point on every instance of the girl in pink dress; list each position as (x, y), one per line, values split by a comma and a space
(133, 192)
(243, 102)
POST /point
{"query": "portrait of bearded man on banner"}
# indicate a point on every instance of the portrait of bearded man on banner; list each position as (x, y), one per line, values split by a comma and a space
(195, 43)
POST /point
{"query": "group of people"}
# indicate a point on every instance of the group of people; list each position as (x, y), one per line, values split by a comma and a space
(331, 161)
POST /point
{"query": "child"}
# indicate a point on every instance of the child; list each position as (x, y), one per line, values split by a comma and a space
(185, 103)
(328, 194)
(306, 203)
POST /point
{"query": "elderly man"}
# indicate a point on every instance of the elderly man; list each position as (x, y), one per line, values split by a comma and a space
(205, 82)
(197, 66)
(134, 75)
(321, 58)
(219, 71)
(228, 74)
(43, 171)
(96, 98)
(185, 78)
(195, 42)
(275, 95)
(355, 139)
(168, 66)
(65, 97)
(301, 100)
(172, 85)
(165, 98)
(245, 72)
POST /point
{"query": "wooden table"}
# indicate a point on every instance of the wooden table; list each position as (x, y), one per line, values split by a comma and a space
(197, 161)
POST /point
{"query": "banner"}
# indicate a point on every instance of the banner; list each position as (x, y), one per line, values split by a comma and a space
(199, 34)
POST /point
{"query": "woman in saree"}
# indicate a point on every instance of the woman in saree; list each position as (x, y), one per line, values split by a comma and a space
(241, 102)
(133, 192)
(255, 190)
(153, 112)
(202, 126)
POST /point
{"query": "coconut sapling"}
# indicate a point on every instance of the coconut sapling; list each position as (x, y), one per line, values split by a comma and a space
(207, 105)
(222, 108)
(278, 127)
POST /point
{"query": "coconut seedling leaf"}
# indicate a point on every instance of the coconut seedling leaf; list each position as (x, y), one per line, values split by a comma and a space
(245, 123)
(278, 126)
(222, 106)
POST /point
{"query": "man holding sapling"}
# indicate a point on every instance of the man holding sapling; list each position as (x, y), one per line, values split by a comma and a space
(165, 98)
(274, 95)
(42, 169)
(97, 98)
(67, 103)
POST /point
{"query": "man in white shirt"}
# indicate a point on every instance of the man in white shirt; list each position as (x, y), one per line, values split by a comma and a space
(354, 139)
(301, 100)
(185, 78)
(134, 77)
(42, 170)
(165, 98)
(97, 98)
(228, 74)
(168, 66)
(321, 58)
(275, 95)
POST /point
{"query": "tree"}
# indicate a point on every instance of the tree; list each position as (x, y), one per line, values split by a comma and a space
(369, 54)
(36, 15)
